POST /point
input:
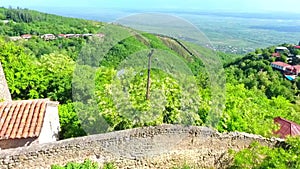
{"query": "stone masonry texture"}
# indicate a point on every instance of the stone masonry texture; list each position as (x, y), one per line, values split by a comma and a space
(162, 146)
(4, 91)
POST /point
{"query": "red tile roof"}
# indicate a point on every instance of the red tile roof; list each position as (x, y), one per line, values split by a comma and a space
(281, 64)
(297, 67)
(297, 47)
(22, 119)
(101, 35)
(277, 54)
(287, 128)
(26, 36)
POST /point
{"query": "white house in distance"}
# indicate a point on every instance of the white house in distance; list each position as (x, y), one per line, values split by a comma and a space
(48, 37)
(26, 36)
(281, 49)
(28, 122)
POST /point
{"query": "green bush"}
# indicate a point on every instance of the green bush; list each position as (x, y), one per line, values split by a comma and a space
(109, 166)
(87, 164)
(261, 157)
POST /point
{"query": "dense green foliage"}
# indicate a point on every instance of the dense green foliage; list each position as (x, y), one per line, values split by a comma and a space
(31, 77)
(22, 72)
(166, 97)
(24, 21)
(87, 164)
(251, 111)
(259, 157)
(263, 95)
(255, 72)
(69, 122)
(39, 47)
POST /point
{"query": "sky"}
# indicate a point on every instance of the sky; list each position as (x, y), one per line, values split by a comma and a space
(205, 5)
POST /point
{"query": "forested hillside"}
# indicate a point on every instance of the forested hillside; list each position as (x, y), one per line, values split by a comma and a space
(38, 68)
(25, 21)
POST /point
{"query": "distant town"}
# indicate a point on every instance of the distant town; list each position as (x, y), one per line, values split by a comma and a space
(290, 70)
(53, 37)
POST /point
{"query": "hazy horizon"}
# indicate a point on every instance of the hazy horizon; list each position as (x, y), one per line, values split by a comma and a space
(211, 5)
(234, 24)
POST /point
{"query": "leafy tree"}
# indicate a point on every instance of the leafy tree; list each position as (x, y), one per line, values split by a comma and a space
(37, 23)
(29, 77)
(167, 110)
(251, 111)
(58, 70)
(22, 72)
(2, 16)
(70, 124)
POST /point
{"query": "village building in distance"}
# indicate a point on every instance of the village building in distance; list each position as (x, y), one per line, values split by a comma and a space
(26, 36)
(290, 71)
(48, 37)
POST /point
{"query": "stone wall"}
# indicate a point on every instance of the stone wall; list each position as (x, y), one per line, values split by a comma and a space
(13, 143)
(152, 147)
(4, 91)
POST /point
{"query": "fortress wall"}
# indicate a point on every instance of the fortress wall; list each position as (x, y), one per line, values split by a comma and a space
(163, 146)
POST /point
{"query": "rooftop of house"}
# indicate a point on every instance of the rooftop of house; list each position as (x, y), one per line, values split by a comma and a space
(281, 48)
(277, 54)
(297, 47)
(297, 67)
(26, 35)
(287, 128)
(281, 64)
(22, 118)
